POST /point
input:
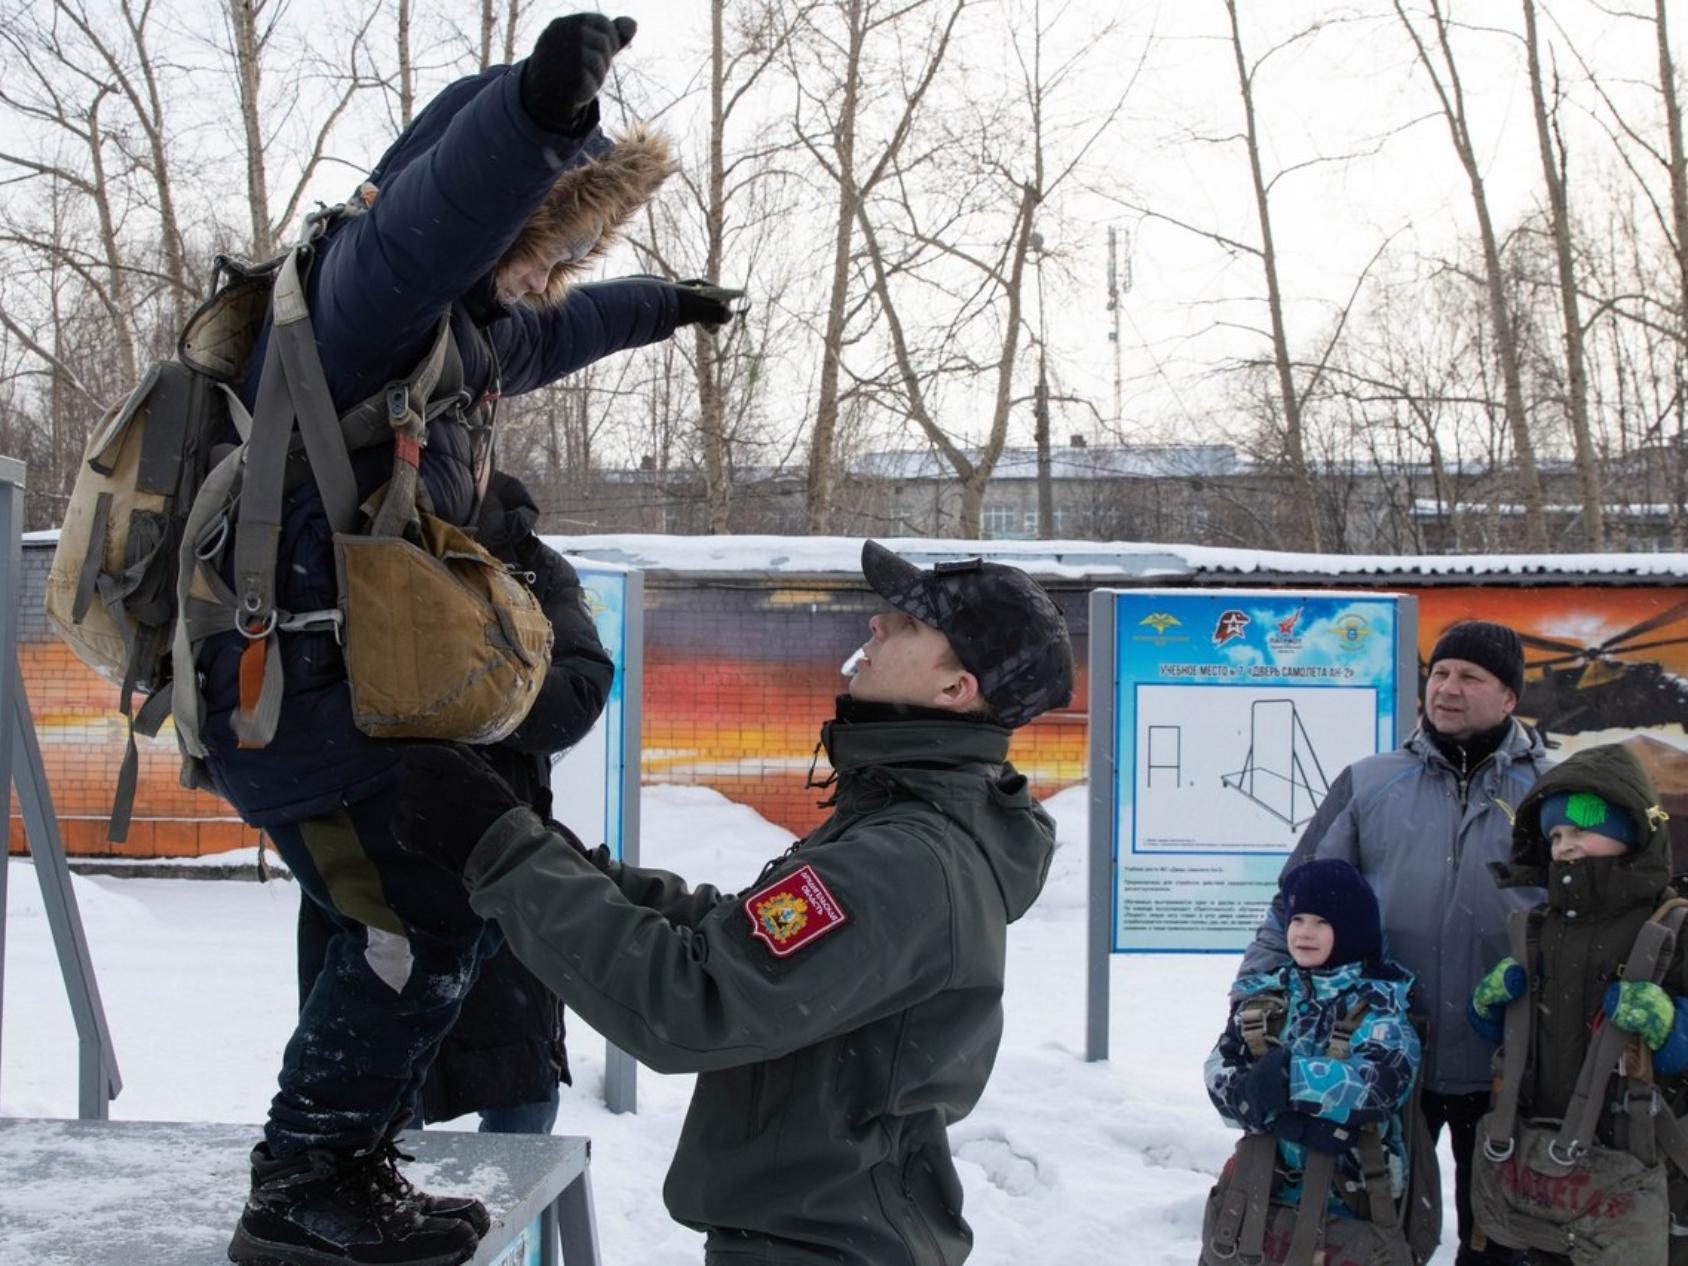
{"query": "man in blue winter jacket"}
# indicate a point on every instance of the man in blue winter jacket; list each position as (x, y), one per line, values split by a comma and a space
(480, 214)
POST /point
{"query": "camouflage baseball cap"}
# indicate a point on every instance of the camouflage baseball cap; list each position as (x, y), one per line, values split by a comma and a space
(1003, 626)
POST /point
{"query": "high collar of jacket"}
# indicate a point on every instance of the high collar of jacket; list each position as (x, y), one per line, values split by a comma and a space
(954, 767)
(1466, 754)
(863, 736)
(1594, 886)
(1517, 742)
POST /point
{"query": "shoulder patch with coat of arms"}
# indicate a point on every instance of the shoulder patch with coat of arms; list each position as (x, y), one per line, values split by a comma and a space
(792, 911)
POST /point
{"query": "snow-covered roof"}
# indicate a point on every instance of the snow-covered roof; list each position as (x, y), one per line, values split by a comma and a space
(822, 555)
(1082, 560)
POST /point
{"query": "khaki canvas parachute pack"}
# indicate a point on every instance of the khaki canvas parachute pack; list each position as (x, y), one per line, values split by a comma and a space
(440, 641)
(1243, 1226)
(1552, 1185)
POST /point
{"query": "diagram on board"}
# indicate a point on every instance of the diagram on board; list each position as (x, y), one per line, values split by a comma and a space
(1241, 768)
(1281, 771)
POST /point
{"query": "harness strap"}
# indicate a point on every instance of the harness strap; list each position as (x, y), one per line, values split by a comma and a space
(1653, 946)
(311, 402)
(1672, 1133)
(1341, 1043)
(1239, 1230)
(213, 501)
(1259, 1020)
(1310, 1213)
(1515, 1044)
(1374, 1166)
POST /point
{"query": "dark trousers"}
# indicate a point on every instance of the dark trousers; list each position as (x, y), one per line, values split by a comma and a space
(405, 950)
(1460, 1113)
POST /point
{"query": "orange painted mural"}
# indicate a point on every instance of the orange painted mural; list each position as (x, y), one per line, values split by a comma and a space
(738, 678)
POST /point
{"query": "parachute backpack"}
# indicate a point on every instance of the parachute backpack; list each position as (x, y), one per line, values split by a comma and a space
(1243, 1226)
(440, 640)
(1552, 1185)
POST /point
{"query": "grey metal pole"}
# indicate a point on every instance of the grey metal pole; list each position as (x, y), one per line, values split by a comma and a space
(11, 585)
(1099, 939)
(98, 1082)
(621, 1071)
(1406, 667)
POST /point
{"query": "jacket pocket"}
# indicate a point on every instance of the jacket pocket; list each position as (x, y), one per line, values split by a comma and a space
(932, 1192)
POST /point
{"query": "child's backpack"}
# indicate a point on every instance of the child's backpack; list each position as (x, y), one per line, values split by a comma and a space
(1552, 1185)
(1242, 1223)
(440, 641)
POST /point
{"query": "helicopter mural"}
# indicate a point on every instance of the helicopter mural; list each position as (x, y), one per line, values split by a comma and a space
(1570, 688)
(1601, 665)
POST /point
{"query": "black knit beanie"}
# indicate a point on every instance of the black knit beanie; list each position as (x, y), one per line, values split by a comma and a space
(1340, 895)
(1491, 646)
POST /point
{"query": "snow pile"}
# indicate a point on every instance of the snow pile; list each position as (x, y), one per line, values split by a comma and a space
(1062, 1160)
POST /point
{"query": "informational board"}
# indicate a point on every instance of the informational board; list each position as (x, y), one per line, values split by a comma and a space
(595, 786)
(1218, 721)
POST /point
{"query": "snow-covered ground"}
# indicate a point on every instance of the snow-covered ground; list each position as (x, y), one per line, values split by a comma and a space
(1062, 1160)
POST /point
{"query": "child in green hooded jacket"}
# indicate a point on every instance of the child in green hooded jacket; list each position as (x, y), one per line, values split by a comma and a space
(1592, 833)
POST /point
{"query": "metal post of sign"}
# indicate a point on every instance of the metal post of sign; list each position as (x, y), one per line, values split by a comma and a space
(1406, 669)
(11, 584)
(98, 1081)
(621, 1071)
(1099, 936)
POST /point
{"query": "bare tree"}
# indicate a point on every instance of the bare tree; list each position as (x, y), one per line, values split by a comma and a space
(253, 28)
(1554, 164)
(1450, 93)
(1310, 533)
(833, 71)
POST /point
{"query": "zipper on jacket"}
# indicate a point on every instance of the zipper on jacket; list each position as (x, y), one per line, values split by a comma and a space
(914, 1212)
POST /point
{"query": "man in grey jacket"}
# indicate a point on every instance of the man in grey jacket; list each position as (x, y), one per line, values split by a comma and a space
(1422, 824)
(845, 1008)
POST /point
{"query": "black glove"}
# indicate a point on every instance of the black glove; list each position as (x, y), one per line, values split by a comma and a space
(703, 303)
(568, 66)
(1265, 1089)
(1319, 1133)
(448, 799)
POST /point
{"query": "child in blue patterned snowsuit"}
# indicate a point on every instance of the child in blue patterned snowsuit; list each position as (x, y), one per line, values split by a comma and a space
(1295, 1090)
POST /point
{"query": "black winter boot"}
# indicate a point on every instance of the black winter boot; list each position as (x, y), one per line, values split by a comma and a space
(326, 1208)
(462, 1208)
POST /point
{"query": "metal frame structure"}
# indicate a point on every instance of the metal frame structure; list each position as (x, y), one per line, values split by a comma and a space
(98, 1081)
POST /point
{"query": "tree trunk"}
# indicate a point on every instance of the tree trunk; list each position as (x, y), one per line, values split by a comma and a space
(1045, 479)
(182, 289)
(1678, 169)
(1452, 98)
(821, 439)
(489, 23)
(244, 20)
(512, 17)
(712, 422)
(1307, 508)
(1553, 168)
(407, 69)
(119, 304)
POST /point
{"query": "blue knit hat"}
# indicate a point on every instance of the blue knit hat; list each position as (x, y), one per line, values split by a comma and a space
(1591, 812)
(1340, 895)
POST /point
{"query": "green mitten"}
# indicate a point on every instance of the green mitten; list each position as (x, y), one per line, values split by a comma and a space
(1505, 983)
(1640, 1006)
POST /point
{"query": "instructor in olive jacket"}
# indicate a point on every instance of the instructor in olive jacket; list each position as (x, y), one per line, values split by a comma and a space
(847, 1007)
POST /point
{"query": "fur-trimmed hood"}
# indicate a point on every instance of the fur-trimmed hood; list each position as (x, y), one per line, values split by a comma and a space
(598, 194)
